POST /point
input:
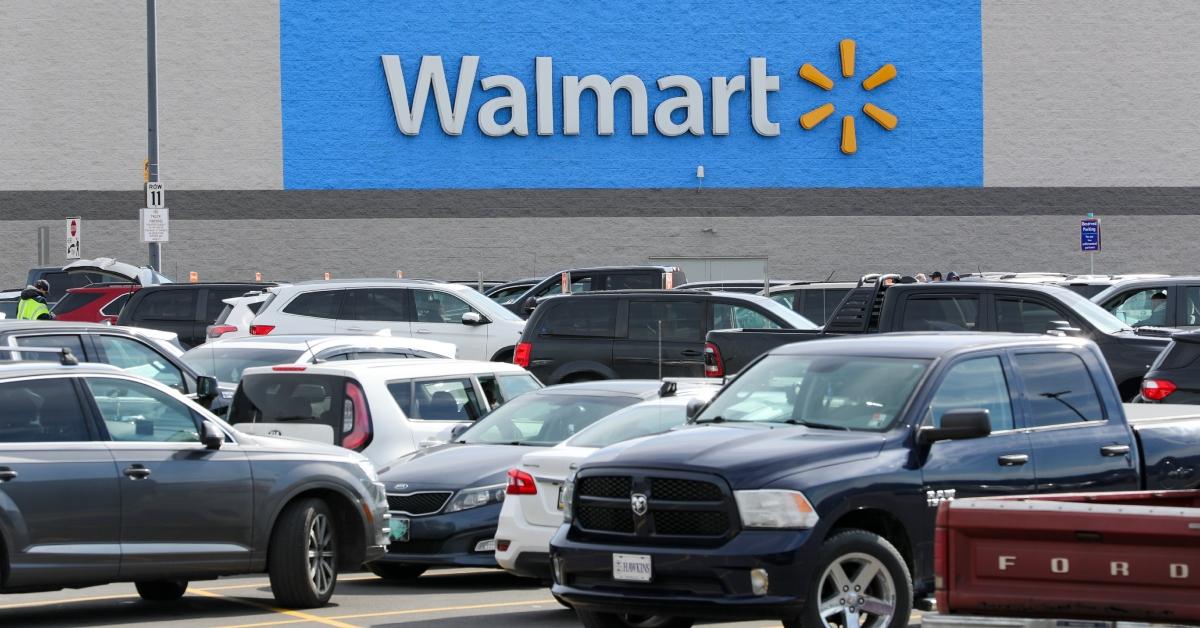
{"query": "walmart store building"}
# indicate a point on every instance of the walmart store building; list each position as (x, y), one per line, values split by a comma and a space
(447, 138)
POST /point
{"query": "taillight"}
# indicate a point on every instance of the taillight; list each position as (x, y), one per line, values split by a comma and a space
(520, 483)
(1157, 389)
(289, 368)
(713, 365)
(941, 557)
(216, 331)
(522, 354)
(261, 330)
(356, 419)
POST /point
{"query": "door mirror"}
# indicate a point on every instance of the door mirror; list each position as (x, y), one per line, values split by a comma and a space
(458, 430)
(211, 435)
(957, 425)
(207, 389)
(472, 318)
(529, 305)
(694, 408)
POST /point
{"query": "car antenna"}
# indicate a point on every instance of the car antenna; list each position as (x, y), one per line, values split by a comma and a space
(660, 359)
(830, 277)
(310, 350)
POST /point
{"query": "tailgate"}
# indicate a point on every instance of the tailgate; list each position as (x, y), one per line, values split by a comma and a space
(1168, 437)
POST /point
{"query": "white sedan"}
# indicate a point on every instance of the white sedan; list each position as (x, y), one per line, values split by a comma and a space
(532, 510)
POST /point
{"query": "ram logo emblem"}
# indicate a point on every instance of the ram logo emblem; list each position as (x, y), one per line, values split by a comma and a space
(638, 502)
(935, 498)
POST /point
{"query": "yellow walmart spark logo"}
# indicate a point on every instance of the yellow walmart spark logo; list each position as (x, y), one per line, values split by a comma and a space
(880, 115)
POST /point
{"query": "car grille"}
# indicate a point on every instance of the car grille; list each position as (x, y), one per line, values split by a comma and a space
(689, 506)
(418, 504)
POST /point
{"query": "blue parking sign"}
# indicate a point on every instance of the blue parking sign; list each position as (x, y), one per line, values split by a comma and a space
(1089, 235)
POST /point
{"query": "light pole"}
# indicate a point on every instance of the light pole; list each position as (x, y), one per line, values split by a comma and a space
(152, 114)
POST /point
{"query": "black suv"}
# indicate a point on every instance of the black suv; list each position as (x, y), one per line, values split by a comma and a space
(596, 279)
(184, 308)
(638, 334)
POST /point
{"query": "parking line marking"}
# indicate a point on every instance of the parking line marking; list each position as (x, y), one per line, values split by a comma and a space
(73, 600)
(447, 609)
(281, 611)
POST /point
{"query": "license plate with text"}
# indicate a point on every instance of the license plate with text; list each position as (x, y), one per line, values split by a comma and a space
(631, 567)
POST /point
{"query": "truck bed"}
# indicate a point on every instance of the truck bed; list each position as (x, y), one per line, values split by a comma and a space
(1168, 437)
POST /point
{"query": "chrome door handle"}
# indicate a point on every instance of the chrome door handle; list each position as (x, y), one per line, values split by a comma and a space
(424, 331)
(136, 472)
(1112, 451)
(7, 474)
(1013, 460)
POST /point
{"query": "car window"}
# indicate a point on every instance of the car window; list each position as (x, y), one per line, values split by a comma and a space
(216, 301)
(166, 305)
(506, 294)
(498, 390)
(41, 410)
(581, 317)
(635, 421)
(730, 316)
(1191, 314)
(1022, 316)
(291, 398)
(633, 281)
(543, 419)
(133, 411)
(1139, 308)
(451, 399)
(72, 342)
(376, 304)
(114, 307)
(818, 304)
(137, 358)
(1058, 389)
(948, 313)
(786, 299)
(439, 307)
(975, 384)
(227, 363)
(579, 283)
(674, 321)
(318, 304)
(74, 300)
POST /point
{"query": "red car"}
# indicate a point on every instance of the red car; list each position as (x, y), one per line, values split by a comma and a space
(97, 303)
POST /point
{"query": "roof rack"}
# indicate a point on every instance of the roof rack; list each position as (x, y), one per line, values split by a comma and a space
(65, 357)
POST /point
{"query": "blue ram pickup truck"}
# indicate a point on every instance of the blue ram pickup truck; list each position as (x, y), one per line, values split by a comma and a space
(806, 491)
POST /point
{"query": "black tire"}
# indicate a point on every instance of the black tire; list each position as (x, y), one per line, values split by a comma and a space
(592, 619)
(297, 580)
(161, 590)
(859, 548)
(392, 571)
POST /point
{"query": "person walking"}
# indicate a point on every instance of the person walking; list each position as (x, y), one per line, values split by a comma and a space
(32, 306)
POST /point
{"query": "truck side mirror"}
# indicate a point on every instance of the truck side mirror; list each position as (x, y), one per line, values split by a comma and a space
(458, 430)
(207, 389)
(472, 318)
(211, 435)
(530, 305)
(694, 408)
(957, 425)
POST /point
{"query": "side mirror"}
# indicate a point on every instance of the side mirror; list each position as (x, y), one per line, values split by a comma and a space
(458, 430)
(957, 425)
(207, 389)
(694, 408)
(211, 435)
(472, 318)
(529, 305)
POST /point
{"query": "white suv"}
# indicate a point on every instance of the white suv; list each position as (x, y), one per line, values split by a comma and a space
(478, 326)
(381, 408)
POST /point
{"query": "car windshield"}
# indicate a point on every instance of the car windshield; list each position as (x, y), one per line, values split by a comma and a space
(227, 363)
(775, 307)
(543, 419)
(1099, 317)
(643, 419)
(488, 307)
(827, 391)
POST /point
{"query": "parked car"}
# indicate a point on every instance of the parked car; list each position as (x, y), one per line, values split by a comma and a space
(382, 408)
(817, 470)
(532, 509)
(1175, 375)
(640, 334)
(234, 319)
(8, 303)
(445, 501)
(109, 477)
(481, 329)
(875, 307)
(1159, 302)
(97, 303)
(86, 272)
(184, 308)
(152, 354)
(506, 293)
(1091, 285)
(578, 280)
(226, 359)
(815, 301)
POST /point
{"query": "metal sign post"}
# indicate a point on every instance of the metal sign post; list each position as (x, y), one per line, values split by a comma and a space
(1089, 238)
(155, 251)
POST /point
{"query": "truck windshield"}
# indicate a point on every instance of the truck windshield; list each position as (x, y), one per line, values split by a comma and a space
(1099, 317)
(842, 392)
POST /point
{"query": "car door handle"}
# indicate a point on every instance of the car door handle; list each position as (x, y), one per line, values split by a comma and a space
(7, 474)
(136, 472)
(691, 353)
(355, 329)
(424, 331)
(1013, 460)
(1112, 451)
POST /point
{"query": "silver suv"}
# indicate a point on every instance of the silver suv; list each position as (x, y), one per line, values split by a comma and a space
(109, 477)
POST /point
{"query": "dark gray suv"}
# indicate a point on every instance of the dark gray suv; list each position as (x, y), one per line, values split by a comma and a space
(109, 477)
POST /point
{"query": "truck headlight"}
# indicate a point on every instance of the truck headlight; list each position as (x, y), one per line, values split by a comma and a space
(775, 509)
(475, 497)
(568, 495)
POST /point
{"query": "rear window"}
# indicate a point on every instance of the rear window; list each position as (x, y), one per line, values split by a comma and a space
(290, 398)
(227, 363)
(114, 306)
(75, 300)
(949, 313)
(581, 317)
(320, 304)
(166, 305)
(636, 281)
(216, 301)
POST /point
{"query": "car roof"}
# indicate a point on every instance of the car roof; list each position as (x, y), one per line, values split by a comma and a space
(390, 369)
(8, 326)
(601, 269)
(318, 342)
(922, 345)
(1153, 281)
(214, 284)
(25, 368)
(372, 281)
(676, 292)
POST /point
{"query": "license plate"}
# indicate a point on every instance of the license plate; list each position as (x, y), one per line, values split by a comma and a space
(560, 495)
(631, 567)
(399, 529)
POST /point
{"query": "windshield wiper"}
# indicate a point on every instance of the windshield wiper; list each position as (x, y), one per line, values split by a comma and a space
(821, 426)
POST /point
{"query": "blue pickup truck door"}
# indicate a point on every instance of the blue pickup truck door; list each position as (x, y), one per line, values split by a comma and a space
(1077, 444)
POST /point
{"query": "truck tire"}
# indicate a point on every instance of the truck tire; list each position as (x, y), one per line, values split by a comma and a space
(392, 571)
(862, 573)
(592, 619)
(302, 557)
(161, 590)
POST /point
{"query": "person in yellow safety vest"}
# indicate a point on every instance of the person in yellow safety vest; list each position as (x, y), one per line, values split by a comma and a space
(32, 306)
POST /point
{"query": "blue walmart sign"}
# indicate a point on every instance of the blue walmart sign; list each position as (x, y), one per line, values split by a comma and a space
(622, 94)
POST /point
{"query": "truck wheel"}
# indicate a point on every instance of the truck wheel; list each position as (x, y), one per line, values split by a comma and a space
(391, 571)
(161, 590)
(860, 581)
(592, 619)
(302, 559)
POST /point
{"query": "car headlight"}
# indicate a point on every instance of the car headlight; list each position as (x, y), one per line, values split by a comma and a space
(475, 497)
(568, 496)
(775, 509)
(368, 468)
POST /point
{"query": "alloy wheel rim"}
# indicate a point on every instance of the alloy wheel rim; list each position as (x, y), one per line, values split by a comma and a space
(320, 551)
(857, 591)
